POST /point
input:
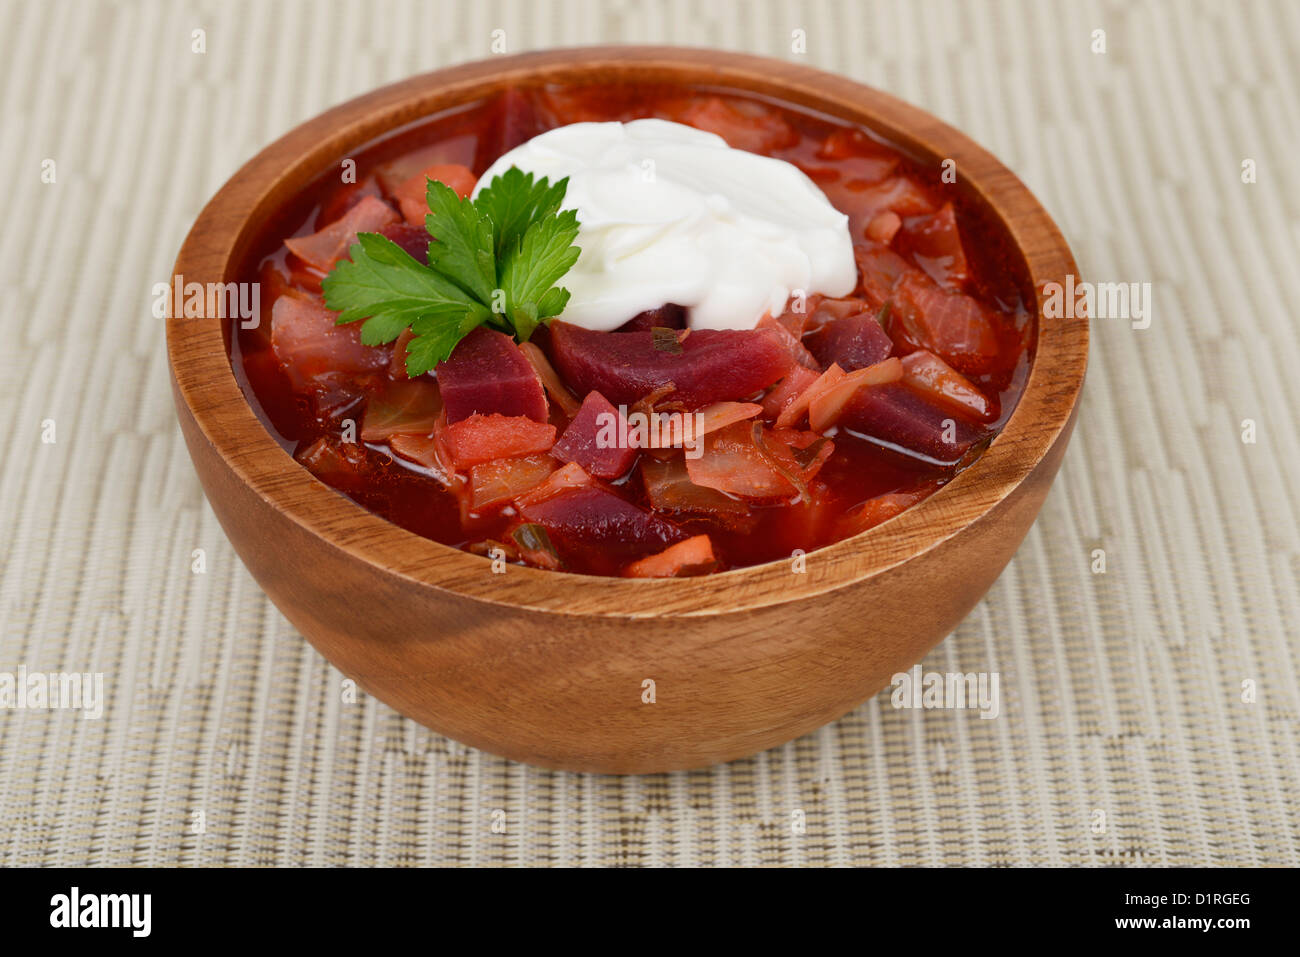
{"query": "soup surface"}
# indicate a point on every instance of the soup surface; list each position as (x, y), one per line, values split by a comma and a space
(656, 449)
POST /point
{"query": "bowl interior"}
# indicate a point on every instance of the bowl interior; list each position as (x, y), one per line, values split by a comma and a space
(224, 238)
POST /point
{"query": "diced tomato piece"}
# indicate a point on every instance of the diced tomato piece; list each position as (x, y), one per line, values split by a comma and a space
(401, 406)
(744, 125)
(597, 439)
(670, 316)
(412, 195)
(571, 475)
(503, 480)
(854, 342)
(787, 391)
(486, 373)
(691, 557)
(309, 344)
(894, 413)
(326, 246)
(825, 408)
(714, 365)
(935, 243)
(482, 438)
(940, 382)
(954, 326)
(595, 516)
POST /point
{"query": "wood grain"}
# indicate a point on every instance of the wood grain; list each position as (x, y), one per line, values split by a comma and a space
(548, 667)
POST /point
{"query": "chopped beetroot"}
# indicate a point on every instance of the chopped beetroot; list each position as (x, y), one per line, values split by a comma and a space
(713, 365)
(853, 343)
(488, 374)
(894, 413)
(597, 439)
(665, 317)
(592, 515)
(414, 240)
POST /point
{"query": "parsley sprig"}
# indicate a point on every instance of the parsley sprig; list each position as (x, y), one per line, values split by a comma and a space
(495, 261)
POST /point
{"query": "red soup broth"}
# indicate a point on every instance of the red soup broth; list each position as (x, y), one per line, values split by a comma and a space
(930, 262)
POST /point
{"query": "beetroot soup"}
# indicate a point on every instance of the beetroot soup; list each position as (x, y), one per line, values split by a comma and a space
(773, 338)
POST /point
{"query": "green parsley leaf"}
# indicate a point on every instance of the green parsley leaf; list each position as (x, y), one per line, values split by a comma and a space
(544, 254)
(463, 251)
(512, 201)
(494, 260)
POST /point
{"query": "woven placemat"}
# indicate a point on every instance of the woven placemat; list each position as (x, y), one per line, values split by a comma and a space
(1148, 712)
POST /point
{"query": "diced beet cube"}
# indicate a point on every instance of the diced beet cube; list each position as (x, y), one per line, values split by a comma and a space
(591, 515)
(712, 366)
(485, 374)
(597, 439)
(414, 240)
(896, 414)
(670, 316)
(854, 342)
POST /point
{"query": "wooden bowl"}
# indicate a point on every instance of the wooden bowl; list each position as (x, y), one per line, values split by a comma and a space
(552, 668)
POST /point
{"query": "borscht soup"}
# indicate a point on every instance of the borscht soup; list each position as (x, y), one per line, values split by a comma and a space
(634, 331)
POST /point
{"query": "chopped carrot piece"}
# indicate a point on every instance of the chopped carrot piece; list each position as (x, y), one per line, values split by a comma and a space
(482, 438)
(693, 556)
(795, 410)
(411, 195)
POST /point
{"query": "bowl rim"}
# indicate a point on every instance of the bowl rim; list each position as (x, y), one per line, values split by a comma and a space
(204, 380)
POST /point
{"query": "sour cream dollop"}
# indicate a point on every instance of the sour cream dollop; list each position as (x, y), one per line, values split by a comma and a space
(672, 214)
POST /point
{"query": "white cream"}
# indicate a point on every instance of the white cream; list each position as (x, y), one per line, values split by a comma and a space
(671, 214)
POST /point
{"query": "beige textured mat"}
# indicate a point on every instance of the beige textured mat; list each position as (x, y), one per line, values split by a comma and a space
(1123, 737)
